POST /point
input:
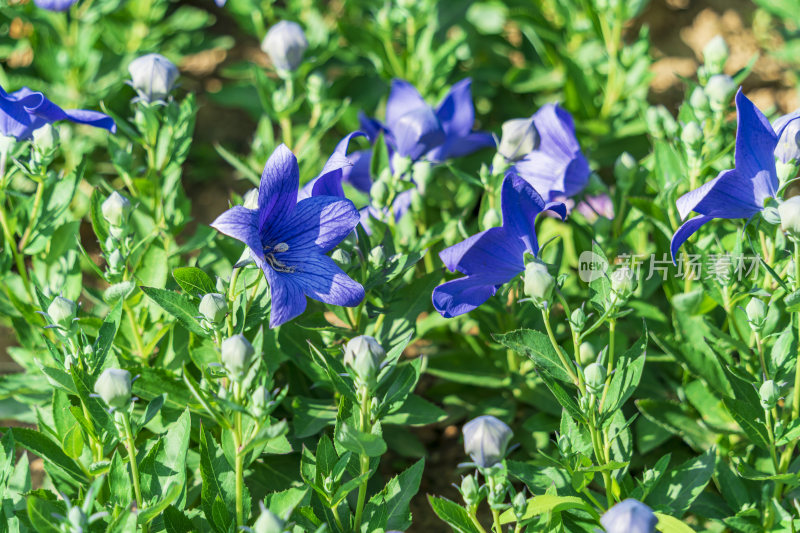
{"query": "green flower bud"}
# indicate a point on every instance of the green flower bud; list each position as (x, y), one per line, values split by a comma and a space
(623, 282)
(62, 312)
(268, 522)
(116, 209)
(316, 85)
(341, 257)
(118, 290)
(77, 519)
(379, 192)
(400, 164)
(116, 261)
(114, 387)
(769, 394)
(786, 171)
(377, 256)
(756, 311)
(715, 54)
(45, 138)
(719, 89)
(585, 404)
(519, 138)
(364, 356)
(578, 319)
(520, 505)
(250, 199)
(470, 491)
(586, 353)
(692, 135)
(699, 101)
(538, 284)
(668, 123)
(213, 307)
(261, 400)
(771, 215)
(625, 169)
(789, 211)
(491, 218)
(595, 377)
(237, 355)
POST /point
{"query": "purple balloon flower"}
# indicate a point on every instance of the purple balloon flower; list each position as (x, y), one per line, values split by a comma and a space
(24, 111)
(289, 239)
(557, 168)
(55, 5)
(493, 257)
(629, 516)
(739, 192)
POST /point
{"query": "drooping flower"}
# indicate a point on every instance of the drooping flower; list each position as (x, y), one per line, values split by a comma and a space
(556, 168)
(493, 257)
(55, 5)
(24, 111)
(486, 439)
(288, 240)
(739, 192)
(153, 76)
(285, 44)
(629, 516)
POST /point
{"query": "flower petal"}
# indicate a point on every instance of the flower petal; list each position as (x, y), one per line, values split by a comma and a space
(37, 105)
(91, 118)
(461, 146)
(521, 204)
(358, 175)
(684, 232)
(403, 98)
(456, 112)
(417, 132)
(287, 298)
(492, 253)
(371, 126)
(462, 295)
(241, 224)
(15, 121)
(729, 195)
(277, 194)
(755, 149)
(318, 223)
(321, 279)
(787, 128)
(338, 159)
(556, 130)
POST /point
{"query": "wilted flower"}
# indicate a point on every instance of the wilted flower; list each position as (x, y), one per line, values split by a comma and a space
(116, 209)
(114, 387)
(364, 355)
(739, 192)
(519, 138)
(629, 516)
(493, 257)
(237, 355)
(289, 239)
(62, 312)
(213, 307)
(789, 211)
(285, 44)
(486, 439)
(153, 76)
(24, 111)
(55, 5)
(557, 167)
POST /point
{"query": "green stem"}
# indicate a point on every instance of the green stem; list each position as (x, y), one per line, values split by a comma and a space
(239, 462)
(612, 327)
(129, 444)
(364, 459)
(567, 365)
(37, 201)
(137, 336)
(231, 297)
(601, 459)
(498, 527)
(474, 517)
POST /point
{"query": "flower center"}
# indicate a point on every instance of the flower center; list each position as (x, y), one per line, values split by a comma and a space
(276, 264)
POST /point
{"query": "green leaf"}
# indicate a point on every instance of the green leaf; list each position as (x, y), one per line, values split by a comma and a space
(548, 503)
(359, 442)
(452, 513)
(670, 524)
(218, 488)
(676, 491)
(415, 411)
(672, 417)
(72, 443)
(165, 463)
(150, 512)
(177, 305)
(175, 521)
(194, 281)
(702, 361)
(627, 375)
(42, 506)
(536, 345)
(396, 496)
(99, 224)
(48, 450)
(119, 481)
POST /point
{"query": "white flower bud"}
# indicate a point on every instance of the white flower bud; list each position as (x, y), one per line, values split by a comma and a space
(789, 211)
(715, 54)
(519, 138)
(520, 505)
(285, 44)
(251, 199)
(623, 282)
(486, 439)
(237, 355)
(586, 353)
(538, 283)
(470, 491)
(625, 168)
(45, 138)
(377, 256)
(341, 257)
(153, 76)
(364, 355)
(769, 394)
(698, 100)
(692, 135)
(595, 376)
(62, 312)
(719, 89)
(114, 387)
(116, 260)
(491, 219)
(268, 522)
(379, 193)
(116, 209)
(756, 311)
(213, 307)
